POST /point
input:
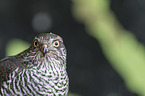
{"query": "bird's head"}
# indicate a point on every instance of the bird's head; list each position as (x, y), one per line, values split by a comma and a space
(48, 47)
(47, 42)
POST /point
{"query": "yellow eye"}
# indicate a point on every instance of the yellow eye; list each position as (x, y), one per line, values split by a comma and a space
(56, 43)
(36, 44)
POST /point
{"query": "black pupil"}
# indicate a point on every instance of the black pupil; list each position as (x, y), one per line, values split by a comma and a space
(36, 43)
(56, 43)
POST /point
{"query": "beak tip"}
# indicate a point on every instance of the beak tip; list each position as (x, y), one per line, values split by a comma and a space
(44, 48)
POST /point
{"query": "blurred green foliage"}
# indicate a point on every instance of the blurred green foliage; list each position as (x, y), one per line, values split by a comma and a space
(121, 48)
(72, 94)
(16, 46)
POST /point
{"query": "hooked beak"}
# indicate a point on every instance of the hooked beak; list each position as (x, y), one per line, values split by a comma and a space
(44, 48)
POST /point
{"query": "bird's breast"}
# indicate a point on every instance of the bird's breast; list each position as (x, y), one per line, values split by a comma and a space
(33, 82)
(51, 82)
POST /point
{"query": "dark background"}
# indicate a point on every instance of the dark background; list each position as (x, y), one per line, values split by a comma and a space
(89, 72)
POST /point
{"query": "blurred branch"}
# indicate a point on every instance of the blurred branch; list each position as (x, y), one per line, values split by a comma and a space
(121, 48)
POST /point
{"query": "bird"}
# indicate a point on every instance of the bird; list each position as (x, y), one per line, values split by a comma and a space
(39, 70)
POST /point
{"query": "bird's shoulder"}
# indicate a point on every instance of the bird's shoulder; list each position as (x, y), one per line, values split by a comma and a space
(7, 66)
(10, 62)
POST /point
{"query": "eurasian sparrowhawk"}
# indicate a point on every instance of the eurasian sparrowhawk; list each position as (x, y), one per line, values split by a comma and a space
(39, 70)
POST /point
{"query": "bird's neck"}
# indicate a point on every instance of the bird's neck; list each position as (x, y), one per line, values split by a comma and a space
(36, 61)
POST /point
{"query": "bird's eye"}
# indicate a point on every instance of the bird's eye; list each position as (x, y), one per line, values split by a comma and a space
(36, 43)
(56, 43)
